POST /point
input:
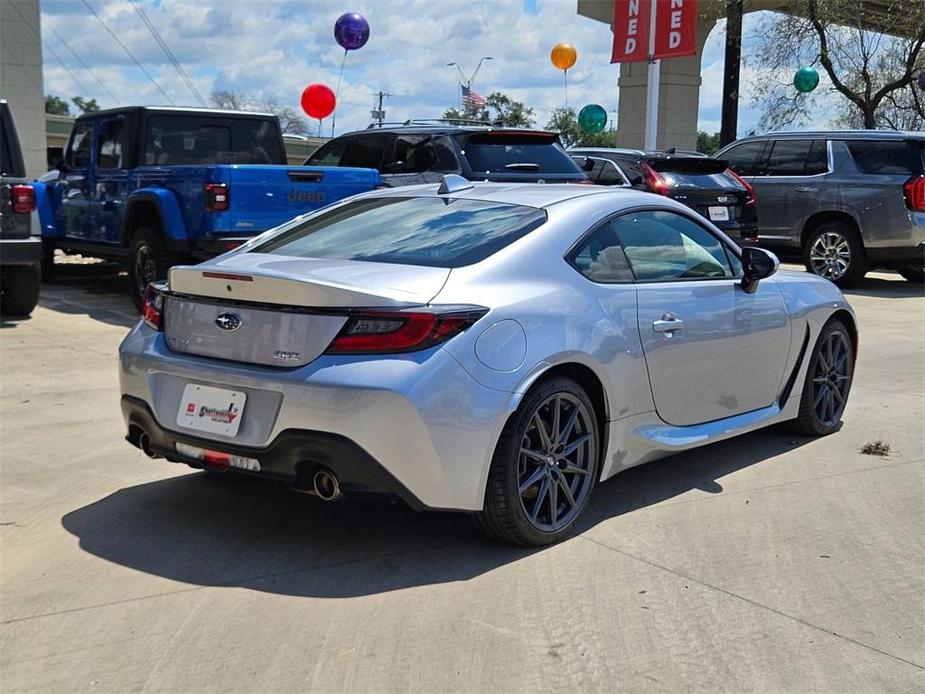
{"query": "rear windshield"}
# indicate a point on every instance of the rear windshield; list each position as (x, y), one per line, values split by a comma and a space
(211, 140)
(695, 173)
(879, 157)
(435, 232)
(492, 153)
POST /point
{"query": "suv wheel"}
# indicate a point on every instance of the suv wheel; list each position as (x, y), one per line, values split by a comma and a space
(19, 289)
(544, 468)
(913, 273)
(834, 251)
(148, 261)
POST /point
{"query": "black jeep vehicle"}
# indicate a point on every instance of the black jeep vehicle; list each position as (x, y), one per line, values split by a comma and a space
(20, 251)
(422, 151)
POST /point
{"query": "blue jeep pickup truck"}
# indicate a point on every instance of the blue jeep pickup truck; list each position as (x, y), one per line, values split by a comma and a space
(154, 187)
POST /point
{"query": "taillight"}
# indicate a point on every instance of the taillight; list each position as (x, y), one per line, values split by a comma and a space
(152, 311)
(655, 182)
(23, 199)
(215, 197)
(389, 332)
(749, 189)
(914, 192)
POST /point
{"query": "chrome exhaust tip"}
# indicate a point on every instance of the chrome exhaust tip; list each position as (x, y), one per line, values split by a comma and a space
(325, 485)
(144, 443)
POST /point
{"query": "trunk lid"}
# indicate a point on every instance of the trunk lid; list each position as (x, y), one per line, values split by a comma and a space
(280, 310)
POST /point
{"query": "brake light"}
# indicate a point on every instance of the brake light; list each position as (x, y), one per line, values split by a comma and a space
(655, 182)
(914, 192)
(23, 198)
(152, 311)
(215, 197)
(752, 199)
(390, 332)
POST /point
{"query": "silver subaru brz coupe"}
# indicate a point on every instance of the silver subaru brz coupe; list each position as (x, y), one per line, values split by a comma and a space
(481, 347)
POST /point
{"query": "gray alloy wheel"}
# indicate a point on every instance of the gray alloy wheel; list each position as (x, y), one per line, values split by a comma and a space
(828, 382)
(834, 251)
(149, 261)
(545, 466)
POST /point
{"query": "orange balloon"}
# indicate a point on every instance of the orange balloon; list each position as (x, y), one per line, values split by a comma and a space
(563, 55)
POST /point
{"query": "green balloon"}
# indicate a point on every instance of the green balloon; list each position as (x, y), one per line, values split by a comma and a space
(806, 79)
(592, 118)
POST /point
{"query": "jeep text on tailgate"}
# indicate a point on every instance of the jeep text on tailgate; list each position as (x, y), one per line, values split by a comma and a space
(154, 187)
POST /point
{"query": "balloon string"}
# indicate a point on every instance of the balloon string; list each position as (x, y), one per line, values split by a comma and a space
(337, 92)
(565, 77)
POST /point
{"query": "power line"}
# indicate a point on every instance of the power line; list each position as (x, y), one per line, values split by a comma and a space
(167, 52)
(83, 64)
(128, 52)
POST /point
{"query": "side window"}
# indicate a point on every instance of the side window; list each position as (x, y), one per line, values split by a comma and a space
(78, 156)
(412, 154)
(745, 159)
(662, 245)
(328, 155)
(817, 162)
(873, 157)
(365, 151)
(446, 155)
(605, 173)
(109, 149)
(633, 172)
(789, 158)
(600, 257)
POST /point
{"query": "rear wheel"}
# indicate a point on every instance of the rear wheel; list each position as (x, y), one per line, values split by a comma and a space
(544, 468)
(913, 273)
(828, 382)
(148, 260)
(19, 289)
(834, 251)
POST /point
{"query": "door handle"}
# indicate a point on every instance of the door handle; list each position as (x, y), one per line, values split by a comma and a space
(668, 324)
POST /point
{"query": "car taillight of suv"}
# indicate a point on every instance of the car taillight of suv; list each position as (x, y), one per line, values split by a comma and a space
(914, 192)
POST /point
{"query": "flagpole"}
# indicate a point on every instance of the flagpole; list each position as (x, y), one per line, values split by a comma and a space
(654, 76)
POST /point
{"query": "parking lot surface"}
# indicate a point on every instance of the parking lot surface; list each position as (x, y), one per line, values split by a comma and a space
(766, 563)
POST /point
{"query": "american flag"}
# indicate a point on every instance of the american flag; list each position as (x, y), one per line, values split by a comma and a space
(471, 98)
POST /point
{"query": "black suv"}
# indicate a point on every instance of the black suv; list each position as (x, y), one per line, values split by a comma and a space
(422, 151)
(702, 183)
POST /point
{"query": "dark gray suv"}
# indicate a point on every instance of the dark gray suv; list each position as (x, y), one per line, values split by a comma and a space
(848, 201)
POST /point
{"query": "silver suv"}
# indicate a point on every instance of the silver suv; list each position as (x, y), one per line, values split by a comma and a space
(849, 201)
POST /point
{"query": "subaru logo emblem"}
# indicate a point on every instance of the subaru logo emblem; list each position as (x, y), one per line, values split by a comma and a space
(228, 321)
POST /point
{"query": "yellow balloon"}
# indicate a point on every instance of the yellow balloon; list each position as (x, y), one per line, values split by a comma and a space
(563, 55)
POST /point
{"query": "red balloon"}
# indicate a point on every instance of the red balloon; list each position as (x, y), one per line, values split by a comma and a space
(318, 101)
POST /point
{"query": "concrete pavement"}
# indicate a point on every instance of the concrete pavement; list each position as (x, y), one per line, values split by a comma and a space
(767, 563)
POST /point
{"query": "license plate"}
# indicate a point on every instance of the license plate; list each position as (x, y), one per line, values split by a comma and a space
(719, 214)
(215, 410)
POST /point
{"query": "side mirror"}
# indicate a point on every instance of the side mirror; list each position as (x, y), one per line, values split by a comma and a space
(757, 264)
(584, 163)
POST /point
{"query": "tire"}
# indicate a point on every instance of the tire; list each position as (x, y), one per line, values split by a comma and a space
(834, 251)
(913, 273)
(550, 475)
(827, 384)
(148, 261)
(19, 290)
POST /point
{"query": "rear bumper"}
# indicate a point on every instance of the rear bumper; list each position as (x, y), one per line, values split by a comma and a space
(415, 426)
(897, 257)
(21, 251)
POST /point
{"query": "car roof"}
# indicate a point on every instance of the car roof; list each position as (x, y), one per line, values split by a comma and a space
(176, 110)
(835, 135)
(443, 128)
(529, 194)
(656, 154)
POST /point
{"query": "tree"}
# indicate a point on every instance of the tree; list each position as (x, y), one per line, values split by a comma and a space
(56, 106)
(565, 122)
(871, 71)
(499, 109)
(290, 121)
(85, 105)
(707, 143)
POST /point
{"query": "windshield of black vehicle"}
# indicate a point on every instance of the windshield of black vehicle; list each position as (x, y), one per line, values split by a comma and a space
(211, 140)
(501, 153)
(436, 232)
(695, 172)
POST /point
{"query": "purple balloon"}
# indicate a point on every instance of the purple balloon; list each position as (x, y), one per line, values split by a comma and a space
(351, 31)
(922, 80)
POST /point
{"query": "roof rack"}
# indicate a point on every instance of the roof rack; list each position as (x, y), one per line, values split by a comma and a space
(430, 121)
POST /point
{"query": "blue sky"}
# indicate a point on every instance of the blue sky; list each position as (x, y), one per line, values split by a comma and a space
(272, 49)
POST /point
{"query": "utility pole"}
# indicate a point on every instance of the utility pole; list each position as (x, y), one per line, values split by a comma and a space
(379, 114)
(732, 61)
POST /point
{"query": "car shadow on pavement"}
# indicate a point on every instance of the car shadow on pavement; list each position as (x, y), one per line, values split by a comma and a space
(210, 530)
(98, 290)
(886, 288)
